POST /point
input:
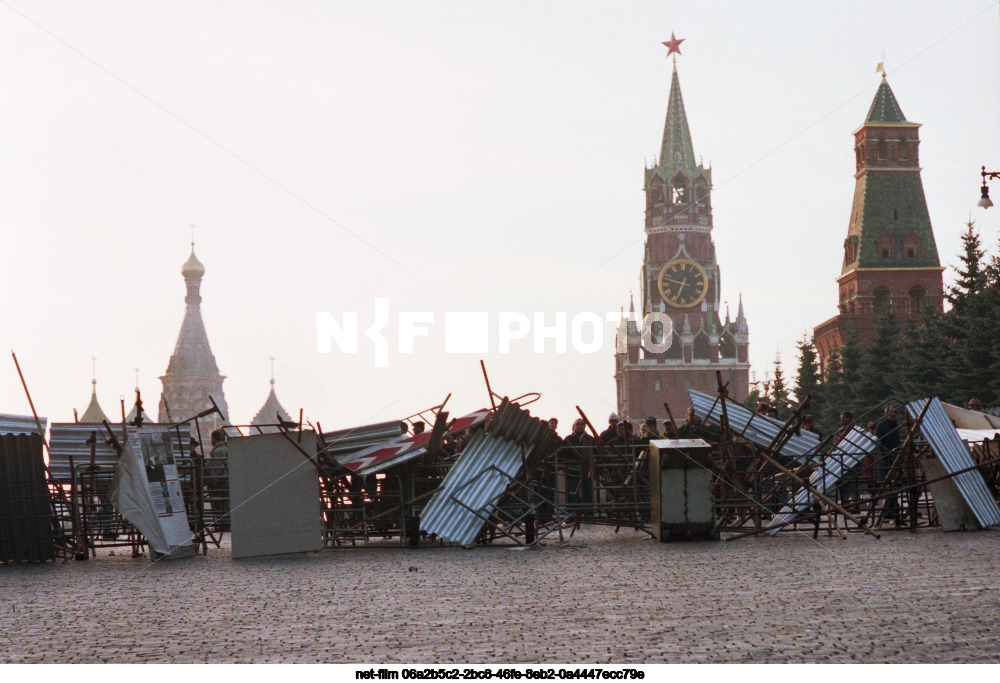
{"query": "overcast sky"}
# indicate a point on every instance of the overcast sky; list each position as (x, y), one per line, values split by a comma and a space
(447, 157)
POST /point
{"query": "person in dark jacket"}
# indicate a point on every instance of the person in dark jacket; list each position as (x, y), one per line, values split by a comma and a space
(612, 430)
(887, 435)
(578, 449)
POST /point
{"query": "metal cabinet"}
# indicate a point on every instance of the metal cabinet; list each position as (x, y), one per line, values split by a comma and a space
(681, 475)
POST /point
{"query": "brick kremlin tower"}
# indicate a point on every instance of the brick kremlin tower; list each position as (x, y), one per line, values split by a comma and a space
(680, 282)
(192, 374)
(890, 257)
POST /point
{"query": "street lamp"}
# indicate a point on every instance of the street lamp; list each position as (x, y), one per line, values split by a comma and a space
(985, 201)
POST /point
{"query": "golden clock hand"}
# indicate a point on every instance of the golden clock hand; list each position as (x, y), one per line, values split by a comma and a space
(676, 282)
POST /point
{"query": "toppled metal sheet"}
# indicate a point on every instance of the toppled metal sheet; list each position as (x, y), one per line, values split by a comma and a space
(483, 472)
(756, 428)
(21, 424)
(970, 419)
(346, 441)
(382, 456)
(954, 454)
(978, 435)
(844, 456)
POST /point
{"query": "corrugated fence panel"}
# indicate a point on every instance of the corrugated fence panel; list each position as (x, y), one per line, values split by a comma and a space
(512, 440)
(844, 456)
(20, 424)
(69, 439)
(469, 483)
(25, 505)
(759, 429)
(954, 455)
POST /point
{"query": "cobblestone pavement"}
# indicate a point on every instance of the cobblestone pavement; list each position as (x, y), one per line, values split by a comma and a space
(601, 597)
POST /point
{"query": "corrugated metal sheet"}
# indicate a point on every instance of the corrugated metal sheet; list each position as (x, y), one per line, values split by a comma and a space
(483, 472)
(954, 455)
(25, 505)
(842, 458)
(68, 439)
(382, 456)
(20, 424)
(756, 428)
(472, 486)
(347, 441)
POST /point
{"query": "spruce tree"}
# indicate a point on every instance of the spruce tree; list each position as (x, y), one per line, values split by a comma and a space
(920, 372)
(878, 379)
(807, 378)
(756, 395)
(779, 392)
(851, 361)
(972, 274)
(971, 326)
(834, 395)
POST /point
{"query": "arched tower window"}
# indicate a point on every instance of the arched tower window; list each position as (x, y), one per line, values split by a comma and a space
(702, 349)
(656, 194)
(675, 351)
(727, 345)
(656, 332)
(680, 190)
(911, 246)
(701, 196)
(918, 299)
(883, 299)
(886, 246)
(904, 152)
(880, 149)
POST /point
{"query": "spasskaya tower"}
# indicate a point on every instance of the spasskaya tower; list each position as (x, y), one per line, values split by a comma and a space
(684, 341)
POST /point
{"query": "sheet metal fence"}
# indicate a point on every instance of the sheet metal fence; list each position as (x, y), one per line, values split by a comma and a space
(27, 519)
(756, 428)
(954, 454)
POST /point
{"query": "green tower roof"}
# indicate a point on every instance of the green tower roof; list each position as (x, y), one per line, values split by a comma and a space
(885, 108)
(676, 151)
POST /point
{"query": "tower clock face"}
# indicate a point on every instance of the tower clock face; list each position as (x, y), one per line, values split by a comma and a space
(683, 283)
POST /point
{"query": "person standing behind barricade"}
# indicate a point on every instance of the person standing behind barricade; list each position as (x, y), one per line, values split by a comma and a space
(687, 430)
(887, 435)
(809, 426)
(648, 431)
(579, 450)
(622, 440)
(612, 431)
(217, 479)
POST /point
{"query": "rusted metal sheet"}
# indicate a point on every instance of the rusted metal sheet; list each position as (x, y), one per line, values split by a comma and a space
(490, 463)
(756, 428)
(845, 455)
(954, 455)
(25, 505)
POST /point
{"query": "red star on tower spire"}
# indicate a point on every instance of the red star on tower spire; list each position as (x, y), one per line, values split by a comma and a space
(673, 45)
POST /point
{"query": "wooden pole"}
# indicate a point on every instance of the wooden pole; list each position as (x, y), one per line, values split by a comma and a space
(38, 423)
(488, 389)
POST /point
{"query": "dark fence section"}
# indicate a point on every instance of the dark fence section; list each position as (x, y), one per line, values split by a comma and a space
(26, 517)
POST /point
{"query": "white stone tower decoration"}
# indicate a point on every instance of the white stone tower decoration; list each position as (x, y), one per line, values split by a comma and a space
(192, 374)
